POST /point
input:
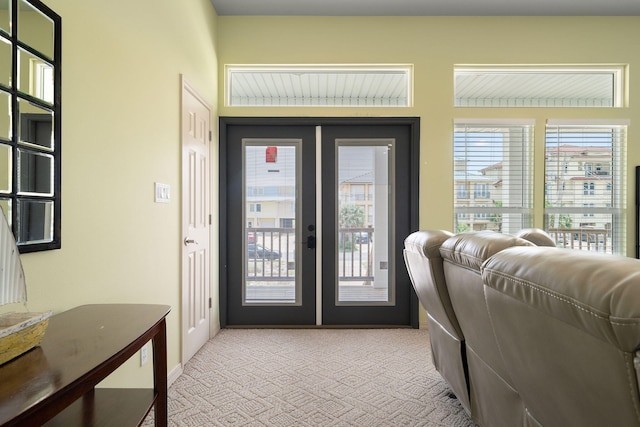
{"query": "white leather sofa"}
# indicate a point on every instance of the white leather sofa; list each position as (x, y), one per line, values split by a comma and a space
(547, 336)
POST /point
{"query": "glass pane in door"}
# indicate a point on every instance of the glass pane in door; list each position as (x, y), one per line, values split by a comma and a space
(364, 217)
(271, 208)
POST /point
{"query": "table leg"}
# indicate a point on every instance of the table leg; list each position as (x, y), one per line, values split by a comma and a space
(159, 343)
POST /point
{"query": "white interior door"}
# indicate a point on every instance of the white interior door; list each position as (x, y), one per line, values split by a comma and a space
(196, 227)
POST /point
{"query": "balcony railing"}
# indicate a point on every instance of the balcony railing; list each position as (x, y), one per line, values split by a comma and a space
(270, 254)
(586, 239)
(355, 254)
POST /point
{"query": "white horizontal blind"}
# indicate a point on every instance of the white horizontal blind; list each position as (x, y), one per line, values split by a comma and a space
(585, 185)
(492, 176)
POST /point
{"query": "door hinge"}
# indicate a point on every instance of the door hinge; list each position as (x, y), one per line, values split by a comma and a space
(209, 219)
(209, 135)
(209, 302)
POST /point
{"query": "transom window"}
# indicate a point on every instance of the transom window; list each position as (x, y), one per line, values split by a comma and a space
(319, 85)
(539, 86)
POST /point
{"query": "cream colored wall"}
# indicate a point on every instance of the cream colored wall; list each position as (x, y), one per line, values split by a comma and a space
(434, 45)
(121, 66)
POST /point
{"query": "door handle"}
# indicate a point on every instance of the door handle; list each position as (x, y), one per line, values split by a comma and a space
(311, 242)
(187, 241)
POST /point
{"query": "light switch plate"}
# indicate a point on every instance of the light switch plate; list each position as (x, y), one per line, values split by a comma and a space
(144, 355)
(162, 193)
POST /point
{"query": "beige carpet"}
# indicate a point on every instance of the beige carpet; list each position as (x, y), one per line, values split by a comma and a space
(318, 377)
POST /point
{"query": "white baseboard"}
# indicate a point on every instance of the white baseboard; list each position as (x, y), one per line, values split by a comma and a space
(214, 330)
(424, 324)
(174, 374)
(177, 371)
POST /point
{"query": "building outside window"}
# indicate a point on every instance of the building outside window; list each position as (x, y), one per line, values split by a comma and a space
(589, 189)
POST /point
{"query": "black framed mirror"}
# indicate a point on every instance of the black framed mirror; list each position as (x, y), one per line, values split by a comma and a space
(30, 123)
(637, 211)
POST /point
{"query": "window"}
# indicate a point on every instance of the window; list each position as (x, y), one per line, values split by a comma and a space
(255, 191)
(462, 192)
(357, 192)
(582, 160)
(588, 189)
(494, 159)
(481, 191)
(319, 86)
(539, 86)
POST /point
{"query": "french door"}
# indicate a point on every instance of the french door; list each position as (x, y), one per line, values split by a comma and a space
(315, 212)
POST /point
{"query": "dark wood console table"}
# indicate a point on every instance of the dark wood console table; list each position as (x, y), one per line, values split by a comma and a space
(53, 384)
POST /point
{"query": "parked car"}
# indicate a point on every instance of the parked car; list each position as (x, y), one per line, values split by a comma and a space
(255, 251)
(362, 237)
(587, 236)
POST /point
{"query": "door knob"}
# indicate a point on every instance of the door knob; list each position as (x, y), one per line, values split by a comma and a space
(187, 241)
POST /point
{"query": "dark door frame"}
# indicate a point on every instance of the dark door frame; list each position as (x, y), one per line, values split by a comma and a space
(224, 122)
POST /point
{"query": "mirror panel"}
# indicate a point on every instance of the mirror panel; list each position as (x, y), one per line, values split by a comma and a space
(35, 29)
(36, 125)
(6, 171)
(5, 16)
(5, 62)
(35, 173)
(35, 76)
(5, 116)
(5, 205)
(35, 221)
(30, 122)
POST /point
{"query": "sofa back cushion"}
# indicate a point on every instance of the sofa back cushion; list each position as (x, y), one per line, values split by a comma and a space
(536, 236)
(470, 250)
(424, 263)
(494, 402)
(567, 324)
(463, 255)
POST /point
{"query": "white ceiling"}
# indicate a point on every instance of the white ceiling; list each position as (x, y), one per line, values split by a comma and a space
(428, 7)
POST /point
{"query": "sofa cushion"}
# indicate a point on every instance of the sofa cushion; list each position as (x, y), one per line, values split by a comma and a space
(536, 236)
(597, 293)
(472, 249)
(426, 242)
(424, 264)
